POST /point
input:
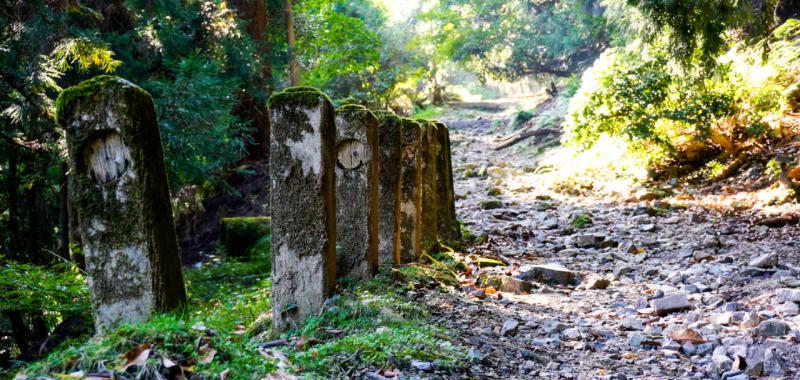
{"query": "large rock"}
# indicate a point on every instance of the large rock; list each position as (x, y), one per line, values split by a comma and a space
(548, 273)
(410, 192)
(389, 140)
(302, 161)
(509, 284)
(357, 171)
(772, 327)
(671, 303)
(119, 187)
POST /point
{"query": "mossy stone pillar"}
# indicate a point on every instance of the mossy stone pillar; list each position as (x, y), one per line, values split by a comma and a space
(119, 187)
(303, 204)
(389, 144)
(449, 229)
(357, 170)
(410, 191)
(430, 199)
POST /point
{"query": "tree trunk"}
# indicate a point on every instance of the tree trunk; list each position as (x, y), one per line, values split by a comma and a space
(63, 214)
(254, 13)
(13, 207)
(294, 78)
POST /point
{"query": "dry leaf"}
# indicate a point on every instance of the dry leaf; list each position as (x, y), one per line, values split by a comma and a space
(205, 354)
(490, 290)
(224, 374)
(687, 335)
(630, 355)
(136, 356)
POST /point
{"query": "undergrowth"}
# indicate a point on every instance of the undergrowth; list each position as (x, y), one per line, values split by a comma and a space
(204, 339)
(368, 325)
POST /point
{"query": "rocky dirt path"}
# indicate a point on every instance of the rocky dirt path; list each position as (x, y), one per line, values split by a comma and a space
(621, 287)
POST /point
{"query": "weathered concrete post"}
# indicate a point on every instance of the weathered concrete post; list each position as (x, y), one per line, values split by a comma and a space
(303, 204)
(389, 141)
(119, 187)
(357, 171)
(430, 199)
(410, 191)
(449, 230)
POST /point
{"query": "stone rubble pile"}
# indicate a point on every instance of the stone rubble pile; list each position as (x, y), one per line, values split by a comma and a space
(621, 289)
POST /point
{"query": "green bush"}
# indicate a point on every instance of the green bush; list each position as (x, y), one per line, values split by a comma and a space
(519, 120)
(245, 236)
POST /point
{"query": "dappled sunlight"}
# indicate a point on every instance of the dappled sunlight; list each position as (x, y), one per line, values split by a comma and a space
(607, 169)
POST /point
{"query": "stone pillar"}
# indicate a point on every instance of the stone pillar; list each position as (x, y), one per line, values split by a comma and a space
(389, 140)
(357, 171)
(120, 191)
(410, 191)
(303, 204)
(449, 229)
(430, 198)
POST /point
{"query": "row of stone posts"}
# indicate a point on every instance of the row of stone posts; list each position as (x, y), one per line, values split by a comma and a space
(351, 190)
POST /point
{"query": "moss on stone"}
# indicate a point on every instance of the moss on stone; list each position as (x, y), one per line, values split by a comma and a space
(354, 112)
(238, 235)
(87, 89)
(491, 204)
(301, 95)
(301, 89)
(485, 262)
(410, 122)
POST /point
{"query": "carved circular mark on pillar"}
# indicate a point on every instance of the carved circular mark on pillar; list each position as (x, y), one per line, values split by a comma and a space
(106, 158)
(351, 154)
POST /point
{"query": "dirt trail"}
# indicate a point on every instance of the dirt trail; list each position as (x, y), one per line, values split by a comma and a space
(726, 315)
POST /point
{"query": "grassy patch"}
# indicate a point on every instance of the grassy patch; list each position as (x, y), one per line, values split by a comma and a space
(370, 326)
(225, 299)
(366, 326)
(430, 113)
(581, 221)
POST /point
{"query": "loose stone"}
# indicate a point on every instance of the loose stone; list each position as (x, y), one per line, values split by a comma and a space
(670, 304)
(549, 273)
(767, 260)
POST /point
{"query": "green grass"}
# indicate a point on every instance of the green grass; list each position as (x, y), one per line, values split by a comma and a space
(371, 326)
(368, 325)
(582, 221)
(429, 113)
(225, 299)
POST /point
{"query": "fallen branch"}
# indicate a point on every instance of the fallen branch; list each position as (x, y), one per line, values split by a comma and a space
(524, 134)
(732, 167)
